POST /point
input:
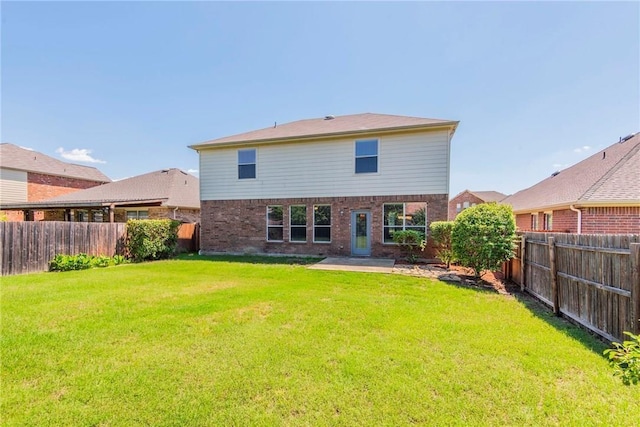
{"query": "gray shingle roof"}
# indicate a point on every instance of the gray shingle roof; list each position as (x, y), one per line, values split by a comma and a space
(489, 196)
(14, 157)
(609, 176)
(322, 127)
(170, 187)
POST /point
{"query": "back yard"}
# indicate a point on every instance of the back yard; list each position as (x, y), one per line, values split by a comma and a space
(229, 342)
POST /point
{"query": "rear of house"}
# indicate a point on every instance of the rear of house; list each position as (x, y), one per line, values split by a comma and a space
(328, 186)
(599, 195)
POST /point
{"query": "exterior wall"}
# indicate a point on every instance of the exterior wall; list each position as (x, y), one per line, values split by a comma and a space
(13, 186)
(411, 163)
(595, 220)
(42, 187)
(120, 215)
(462, 198)
(239, 226)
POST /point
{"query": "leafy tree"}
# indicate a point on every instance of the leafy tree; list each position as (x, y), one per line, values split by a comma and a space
(483, 237)
(625, 359)
(151, 239)
(441, 235)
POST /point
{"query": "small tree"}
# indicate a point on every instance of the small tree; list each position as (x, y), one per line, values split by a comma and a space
(483, 237)
(625, 359)
(151, 239)
(410, 241)
(441, 235)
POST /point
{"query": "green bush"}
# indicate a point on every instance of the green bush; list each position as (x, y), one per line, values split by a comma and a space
(151, 239)
(410, 241)
(483, 237)
(82, 262)
(441, 236)
(625, 359)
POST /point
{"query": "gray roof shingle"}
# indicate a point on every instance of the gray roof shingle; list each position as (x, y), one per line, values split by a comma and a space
(14, 157)
(322, 127)
(609, 176)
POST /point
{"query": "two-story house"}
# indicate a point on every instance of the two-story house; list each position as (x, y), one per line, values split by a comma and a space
(327, 186)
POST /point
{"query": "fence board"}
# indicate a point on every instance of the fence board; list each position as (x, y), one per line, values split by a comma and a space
(597, 278)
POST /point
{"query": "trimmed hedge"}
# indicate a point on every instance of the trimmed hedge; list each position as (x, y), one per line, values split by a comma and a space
(151, 239)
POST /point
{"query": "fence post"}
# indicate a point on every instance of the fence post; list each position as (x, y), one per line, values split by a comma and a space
(523, 270)
(552, 273)
(634, 253)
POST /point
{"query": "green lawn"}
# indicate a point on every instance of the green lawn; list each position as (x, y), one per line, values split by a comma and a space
(199, 342)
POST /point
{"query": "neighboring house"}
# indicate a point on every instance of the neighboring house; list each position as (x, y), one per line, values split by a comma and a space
(169, 193)
(327, 186)
(601, 194)
(468, 198)
(29, 176)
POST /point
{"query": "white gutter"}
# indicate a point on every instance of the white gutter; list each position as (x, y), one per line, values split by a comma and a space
(174, 212)
(572, 207)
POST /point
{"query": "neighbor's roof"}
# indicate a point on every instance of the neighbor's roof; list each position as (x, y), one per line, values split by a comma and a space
(611, 176)
(14, 157)
(486, 196)
(330, 126)
(169, 187)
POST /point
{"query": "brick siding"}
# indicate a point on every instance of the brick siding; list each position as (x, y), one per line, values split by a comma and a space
(461, 198)
(595, 220)
(42, 187)
(239, 226)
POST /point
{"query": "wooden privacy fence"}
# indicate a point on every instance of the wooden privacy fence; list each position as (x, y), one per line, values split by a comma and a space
(28, 247)
(591, 279)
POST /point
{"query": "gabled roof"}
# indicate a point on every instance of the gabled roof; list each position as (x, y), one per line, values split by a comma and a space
(609, 177)
(329, 126)
(485, 196)
(169, 187)
(14, 157)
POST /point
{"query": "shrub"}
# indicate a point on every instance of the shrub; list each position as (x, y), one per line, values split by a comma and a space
(625, 359)
(82, 262)
(441, 235)
(409, 242)
(483, 237)
(151, 239)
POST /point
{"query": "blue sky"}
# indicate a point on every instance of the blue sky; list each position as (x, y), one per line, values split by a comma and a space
(537, 86)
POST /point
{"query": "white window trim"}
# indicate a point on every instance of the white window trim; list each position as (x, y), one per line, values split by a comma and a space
(238, 164)
(355, 157)
(274, 226)
(544, 220)
(537, 225)
(137, 213)
(404, 227)
(330, 226)
(306, 238)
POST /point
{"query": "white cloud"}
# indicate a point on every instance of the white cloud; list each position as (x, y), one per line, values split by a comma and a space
(581, 149)
(78, 155)
(194, 172)
(26, 148)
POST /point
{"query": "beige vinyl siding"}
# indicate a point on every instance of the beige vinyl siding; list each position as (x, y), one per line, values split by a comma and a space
(407, 164)
(13, 186)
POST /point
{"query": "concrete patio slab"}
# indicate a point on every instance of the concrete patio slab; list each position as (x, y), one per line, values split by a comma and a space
(365, 265)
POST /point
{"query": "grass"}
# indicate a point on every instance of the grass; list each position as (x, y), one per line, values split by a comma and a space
(228, 342)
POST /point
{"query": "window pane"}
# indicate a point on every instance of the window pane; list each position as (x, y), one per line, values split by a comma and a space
(132, 215)
(274, 215)
(367, 148)
(322, 215)
(298, 215)
(416, 214)
(246, 156)
(274, 233)
(388, 233)
(366, 164)
(322, 234)
(298, 234)
(246, 171)
(392, 212)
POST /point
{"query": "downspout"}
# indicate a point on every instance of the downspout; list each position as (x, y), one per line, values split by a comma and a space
(579, 218)
(174, 212)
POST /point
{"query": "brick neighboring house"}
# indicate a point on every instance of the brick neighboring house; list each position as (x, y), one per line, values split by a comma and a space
(468, 198)
(326, 186)
(601, 194)
(169, 193)
(29, 176)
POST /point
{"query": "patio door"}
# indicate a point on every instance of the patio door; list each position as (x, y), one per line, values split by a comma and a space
(361, 233)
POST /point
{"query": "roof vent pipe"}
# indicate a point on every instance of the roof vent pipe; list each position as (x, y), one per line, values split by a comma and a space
(573, 208)
(329, 117)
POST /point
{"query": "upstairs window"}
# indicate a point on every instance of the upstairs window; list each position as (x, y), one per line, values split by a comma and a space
(367, 156)
(275, 224)
(247, 164)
